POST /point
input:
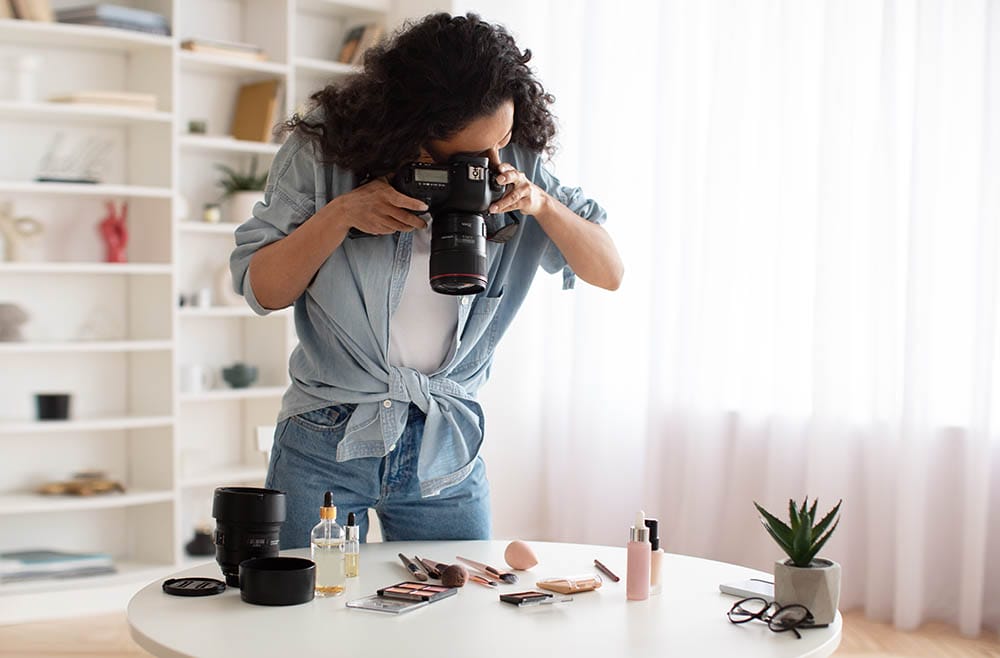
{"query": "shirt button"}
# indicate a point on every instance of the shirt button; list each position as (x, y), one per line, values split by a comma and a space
(465, 301)
(387, 404)
(392, 447)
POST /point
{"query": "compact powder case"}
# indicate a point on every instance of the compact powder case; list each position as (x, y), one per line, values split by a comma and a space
(412, 591)
(277, 580)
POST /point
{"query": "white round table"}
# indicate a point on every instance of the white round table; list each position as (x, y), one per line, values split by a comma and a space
(687, 619)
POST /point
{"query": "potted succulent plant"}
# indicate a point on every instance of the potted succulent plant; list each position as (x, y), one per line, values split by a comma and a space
(803, 578)
(241, 190)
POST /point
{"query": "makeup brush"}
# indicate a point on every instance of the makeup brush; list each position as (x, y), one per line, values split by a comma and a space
(412, 568)
(505, 576)
(432, 571)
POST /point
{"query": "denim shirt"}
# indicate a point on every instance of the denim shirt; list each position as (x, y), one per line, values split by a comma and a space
(342, 318)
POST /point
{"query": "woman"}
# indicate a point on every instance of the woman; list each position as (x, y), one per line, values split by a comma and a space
(381, 409)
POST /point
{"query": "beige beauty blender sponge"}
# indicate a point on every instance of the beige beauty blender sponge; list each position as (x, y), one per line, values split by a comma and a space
(519, 555)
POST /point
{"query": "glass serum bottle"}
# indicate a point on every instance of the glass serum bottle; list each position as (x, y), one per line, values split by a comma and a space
(351, 547)
(327, 542)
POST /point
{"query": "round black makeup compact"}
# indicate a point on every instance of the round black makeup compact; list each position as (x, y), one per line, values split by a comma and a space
(277, 580)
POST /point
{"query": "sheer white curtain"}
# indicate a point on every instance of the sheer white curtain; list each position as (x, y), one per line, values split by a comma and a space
(807, 198)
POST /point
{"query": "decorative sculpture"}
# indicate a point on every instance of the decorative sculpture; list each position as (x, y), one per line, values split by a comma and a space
(15, 231)
(12, 317)
(114, 230)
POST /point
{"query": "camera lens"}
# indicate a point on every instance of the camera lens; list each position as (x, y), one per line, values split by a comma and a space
(458, 254)
(247, 523)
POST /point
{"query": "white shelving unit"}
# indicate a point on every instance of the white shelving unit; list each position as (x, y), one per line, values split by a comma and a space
(114, 335)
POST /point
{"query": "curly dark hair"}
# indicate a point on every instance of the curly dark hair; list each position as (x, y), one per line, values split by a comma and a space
(427, 82)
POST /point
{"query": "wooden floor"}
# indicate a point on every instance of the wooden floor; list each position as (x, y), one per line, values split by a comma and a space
(108, 637)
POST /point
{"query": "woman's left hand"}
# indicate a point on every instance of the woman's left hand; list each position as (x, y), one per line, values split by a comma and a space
(523, 195)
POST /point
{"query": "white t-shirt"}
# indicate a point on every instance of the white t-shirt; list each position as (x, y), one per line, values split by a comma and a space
(422, 329)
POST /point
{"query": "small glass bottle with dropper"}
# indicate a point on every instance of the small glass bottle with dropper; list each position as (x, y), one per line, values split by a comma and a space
(352, 547)
(327, 542)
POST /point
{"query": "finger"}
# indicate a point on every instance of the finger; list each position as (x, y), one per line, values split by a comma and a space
(511, 175)
(404, 217)
(511, 201)
(400, 200)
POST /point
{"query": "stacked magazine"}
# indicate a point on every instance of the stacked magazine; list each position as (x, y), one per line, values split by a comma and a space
(41, 564)
(125, 18)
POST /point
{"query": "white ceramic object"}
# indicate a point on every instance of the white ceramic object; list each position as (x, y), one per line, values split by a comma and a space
(239, 206)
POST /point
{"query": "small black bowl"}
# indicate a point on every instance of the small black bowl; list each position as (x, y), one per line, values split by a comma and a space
(277, 580)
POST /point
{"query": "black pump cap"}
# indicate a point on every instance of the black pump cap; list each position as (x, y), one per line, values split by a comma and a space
(328, 499)
(654, 533)
(350, 518)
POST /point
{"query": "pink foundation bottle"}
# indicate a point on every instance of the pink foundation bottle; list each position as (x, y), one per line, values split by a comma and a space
(637, 578)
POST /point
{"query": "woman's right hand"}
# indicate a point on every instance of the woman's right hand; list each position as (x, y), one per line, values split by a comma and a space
(377, 208)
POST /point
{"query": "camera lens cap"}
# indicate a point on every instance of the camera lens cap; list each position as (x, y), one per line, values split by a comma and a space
(193, 586)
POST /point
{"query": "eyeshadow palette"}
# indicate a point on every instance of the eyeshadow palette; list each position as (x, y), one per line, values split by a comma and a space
(522, 599)
(383, 604)
(412, 591)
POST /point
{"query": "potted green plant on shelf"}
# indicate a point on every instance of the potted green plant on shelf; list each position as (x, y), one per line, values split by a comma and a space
(241, 190)
(803, 578)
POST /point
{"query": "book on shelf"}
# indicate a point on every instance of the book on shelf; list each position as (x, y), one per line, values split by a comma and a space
(32, 10)
(350, 44)
(372, 33)
(37, 564)
(256, 106)
(106, 15)
(227, 48)
(133, 100)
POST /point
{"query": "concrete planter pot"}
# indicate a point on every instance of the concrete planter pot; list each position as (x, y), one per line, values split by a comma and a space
(816, 587)
(239, 206)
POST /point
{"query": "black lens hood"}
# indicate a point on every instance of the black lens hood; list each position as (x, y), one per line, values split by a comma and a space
(248, 505)
(277, 580)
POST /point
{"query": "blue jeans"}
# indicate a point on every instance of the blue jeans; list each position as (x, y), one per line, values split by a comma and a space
(304, 465)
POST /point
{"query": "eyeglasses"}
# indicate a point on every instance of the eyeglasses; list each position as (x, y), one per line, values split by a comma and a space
(783, 618)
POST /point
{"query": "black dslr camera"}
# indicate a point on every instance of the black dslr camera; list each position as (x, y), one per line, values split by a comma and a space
(458, 196)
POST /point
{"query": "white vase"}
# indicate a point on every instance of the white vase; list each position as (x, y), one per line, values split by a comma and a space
(239, 206)
(815, 587)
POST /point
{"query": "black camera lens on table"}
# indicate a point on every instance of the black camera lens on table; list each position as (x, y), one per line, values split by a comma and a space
(458, 196)
(247, 525)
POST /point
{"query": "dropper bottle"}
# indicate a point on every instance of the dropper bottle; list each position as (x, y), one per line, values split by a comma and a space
(637, 578)
(352, 548)
(327, 540)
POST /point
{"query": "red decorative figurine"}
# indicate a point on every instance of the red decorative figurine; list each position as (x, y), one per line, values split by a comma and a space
(115, 232)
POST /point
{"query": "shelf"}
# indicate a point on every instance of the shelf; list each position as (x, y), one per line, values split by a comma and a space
(127, 572)
(84, 189)
(235, 394)
(226, 145)
(374, 9)
(37, 33)
(86, 268)
(201, 62)
(221, 228)
(29, 347)
(324, 67)
(218, 312)
(79, 112)
(109, 424)
(28, 503)
(224, 476)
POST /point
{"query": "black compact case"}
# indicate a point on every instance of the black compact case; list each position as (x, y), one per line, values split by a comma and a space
(525, 598)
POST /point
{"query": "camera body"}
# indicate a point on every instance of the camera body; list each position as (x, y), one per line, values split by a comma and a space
(458, 196)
